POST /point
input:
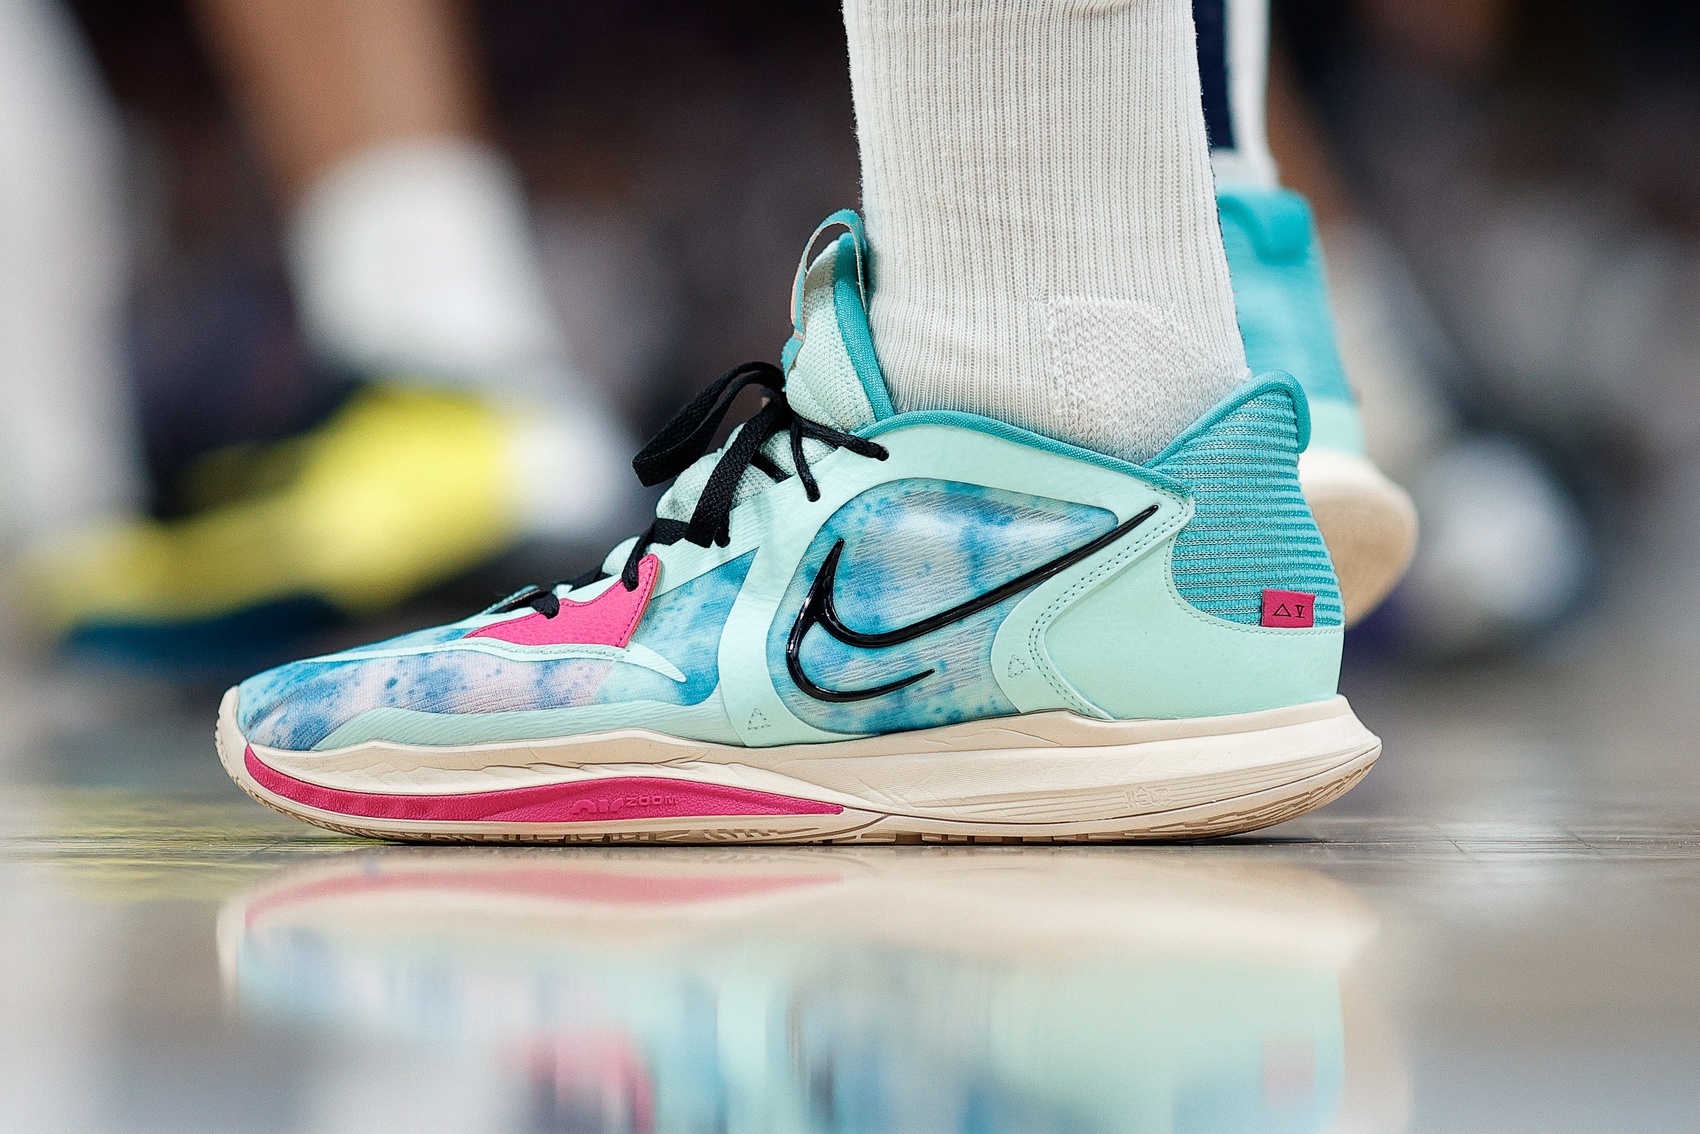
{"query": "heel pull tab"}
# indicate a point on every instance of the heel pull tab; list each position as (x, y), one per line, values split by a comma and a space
(851, 221)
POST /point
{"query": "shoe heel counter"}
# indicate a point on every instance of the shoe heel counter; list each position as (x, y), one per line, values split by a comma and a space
(1182, 631)
(1251, 529)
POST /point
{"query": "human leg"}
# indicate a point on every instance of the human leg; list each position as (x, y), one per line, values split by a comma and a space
(920, 595)
(1281, 295)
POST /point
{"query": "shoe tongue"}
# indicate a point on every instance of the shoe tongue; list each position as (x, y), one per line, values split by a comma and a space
(832, 375)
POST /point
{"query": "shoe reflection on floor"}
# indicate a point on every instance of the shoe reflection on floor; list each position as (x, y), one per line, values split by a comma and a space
(991, 989)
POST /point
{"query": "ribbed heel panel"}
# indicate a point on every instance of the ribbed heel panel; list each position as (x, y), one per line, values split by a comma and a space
(1251, 529)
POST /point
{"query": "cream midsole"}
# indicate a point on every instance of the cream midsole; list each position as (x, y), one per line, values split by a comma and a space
(1050, 766)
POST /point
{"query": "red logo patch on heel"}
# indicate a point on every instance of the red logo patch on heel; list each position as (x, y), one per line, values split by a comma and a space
(1288, 608)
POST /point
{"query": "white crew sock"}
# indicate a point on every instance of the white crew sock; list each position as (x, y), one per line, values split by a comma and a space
(1247, 161)
(414, 257)
(1042, 221)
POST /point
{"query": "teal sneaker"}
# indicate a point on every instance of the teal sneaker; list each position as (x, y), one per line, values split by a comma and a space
(815, 993)
(854, 624)
(1275, 261)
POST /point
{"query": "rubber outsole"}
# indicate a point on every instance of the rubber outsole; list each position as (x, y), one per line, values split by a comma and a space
(1367, 521)
(1039, 778)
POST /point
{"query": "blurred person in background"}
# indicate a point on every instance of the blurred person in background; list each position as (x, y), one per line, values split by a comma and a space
(413, 268)
(1511, 215)
(1429, 115)
(414, 271)
(1506, 551)
(69, 443)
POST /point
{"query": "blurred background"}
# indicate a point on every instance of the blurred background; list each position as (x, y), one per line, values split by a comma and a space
(606, 204)
(1508, 194)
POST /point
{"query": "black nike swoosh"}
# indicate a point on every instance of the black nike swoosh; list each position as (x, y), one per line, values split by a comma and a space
(818, 610)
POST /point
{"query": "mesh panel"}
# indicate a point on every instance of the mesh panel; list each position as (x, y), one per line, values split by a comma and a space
(1251, 527)
(823, 383)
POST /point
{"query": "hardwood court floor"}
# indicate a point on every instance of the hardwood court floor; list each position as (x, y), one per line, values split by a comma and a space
(1498, 931)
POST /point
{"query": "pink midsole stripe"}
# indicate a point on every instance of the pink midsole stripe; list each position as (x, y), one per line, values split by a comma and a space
(553, 885)
(586, 801)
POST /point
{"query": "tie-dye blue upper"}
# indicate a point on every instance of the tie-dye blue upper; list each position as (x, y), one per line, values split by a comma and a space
(914, 548)
(297, 705)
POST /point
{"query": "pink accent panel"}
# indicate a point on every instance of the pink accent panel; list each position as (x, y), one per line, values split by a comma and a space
(606, 620)
(1289, 608)
(624, 797)
(552, 884)
(602, 1060)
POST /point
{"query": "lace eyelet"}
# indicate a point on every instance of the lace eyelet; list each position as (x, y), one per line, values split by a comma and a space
(686, 438)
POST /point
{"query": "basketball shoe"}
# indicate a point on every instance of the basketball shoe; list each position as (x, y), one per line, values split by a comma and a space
(855, 624)
(811, 990)
(1281, 295)
(401, 489)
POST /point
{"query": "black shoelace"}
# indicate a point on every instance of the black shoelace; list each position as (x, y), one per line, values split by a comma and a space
(683, 441)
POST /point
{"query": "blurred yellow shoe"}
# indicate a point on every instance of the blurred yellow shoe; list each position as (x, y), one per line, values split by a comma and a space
(401, 489)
